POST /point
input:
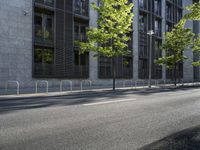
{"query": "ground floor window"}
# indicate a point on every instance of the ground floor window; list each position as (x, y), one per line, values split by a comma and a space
(143, 68)
(43, 61)
(124, 67)
(105, 67)
(81, 65)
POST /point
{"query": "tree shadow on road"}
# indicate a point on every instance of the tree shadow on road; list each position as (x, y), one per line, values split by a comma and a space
(7, 106)
(188, 139)
(12, 105)
(147, 92)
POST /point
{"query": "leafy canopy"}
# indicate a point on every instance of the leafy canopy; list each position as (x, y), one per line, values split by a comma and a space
(176, 42)
(196, 49)
(194, 11)
(195, 15)
(110, 38)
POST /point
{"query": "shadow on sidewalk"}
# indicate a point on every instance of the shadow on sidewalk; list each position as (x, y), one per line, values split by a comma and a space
(188, 139)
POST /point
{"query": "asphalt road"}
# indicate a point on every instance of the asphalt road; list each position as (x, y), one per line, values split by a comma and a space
(125, 120)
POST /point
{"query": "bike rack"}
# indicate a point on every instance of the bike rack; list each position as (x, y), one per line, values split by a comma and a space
(158, 82)
(143, 83)
(164, 82)
(124, 83)
(135, 83)
(140, 81)
(42, 81)
(181, 82)
(84, 81)
(196, 82)
(61, 84)
(155, 82)
(17, 83)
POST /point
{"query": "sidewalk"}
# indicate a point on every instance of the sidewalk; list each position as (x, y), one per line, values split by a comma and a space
(30, 93)
(88, 90)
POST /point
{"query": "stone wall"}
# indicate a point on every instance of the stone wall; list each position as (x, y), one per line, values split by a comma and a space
(15, 40)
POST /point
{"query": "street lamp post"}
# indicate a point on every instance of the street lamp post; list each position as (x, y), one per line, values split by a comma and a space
(150, 33)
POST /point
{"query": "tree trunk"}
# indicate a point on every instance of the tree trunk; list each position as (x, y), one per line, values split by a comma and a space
(113, 72)
(179, 76)
(175, 74)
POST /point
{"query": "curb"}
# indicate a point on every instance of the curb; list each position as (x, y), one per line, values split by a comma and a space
(78, 93)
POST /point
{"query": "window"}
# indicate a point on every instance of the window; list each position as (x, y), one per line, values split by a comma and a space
(43, 61)
(143, 68)
(180, 3)
(158, 52)
(43, 26)
(44, 55)
(127, 61)
(80, 31)
(180, 14)
(105, 67)
(38, 26)
(168, 27)
(127, 67)
(143, 50)
(143, 22)
(169, 12)
(143, 4)
(157, 7)
(80, 59)
(81, 7)
(81, 65)
(158, 27)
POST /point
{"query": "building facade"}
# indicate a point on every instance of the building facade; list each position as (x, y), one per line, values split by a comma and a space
(38, 41)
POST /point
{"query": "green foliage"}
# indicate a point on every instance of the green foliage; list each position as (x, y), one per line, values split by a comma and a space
(176, 42)
(194, 12)
(110, 38)
(180, 39)
(194, 15)
(196, 49)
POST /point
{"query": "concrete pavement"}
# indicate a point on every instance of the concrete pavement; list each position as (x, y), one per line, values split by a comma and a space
(125, 120)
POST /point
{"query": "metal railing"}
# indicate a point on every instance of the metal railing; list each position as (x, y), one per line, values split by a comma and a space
(86, 81)
(61, 84)
(41, 81)
(127, 81)
(87, 84)
(16, 82)
(156, 82)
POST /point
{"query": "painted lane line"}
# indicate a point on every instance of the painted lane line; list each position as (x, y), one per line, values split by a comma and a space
(109, 102)
(182, 93)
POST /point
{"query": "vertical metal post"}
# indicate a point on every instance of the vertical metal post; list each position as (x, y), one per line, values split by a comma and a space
(47, 88)
(81, 86)
(60, 86)
(135, 84)
(17, 88)
(150, 33)
(114, 72)
(71, 86)
(149, 83)
(36, 91)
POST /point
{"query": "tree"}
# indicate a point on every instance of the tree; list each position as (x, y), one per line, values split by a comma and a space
(176, 42)
(196, 49)
(110, 38)
(194, 13)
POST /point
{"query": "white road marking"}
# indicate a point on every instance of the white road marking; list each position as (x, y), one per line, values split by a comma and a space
(174, 94)
(109, 102)
(183, 92)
